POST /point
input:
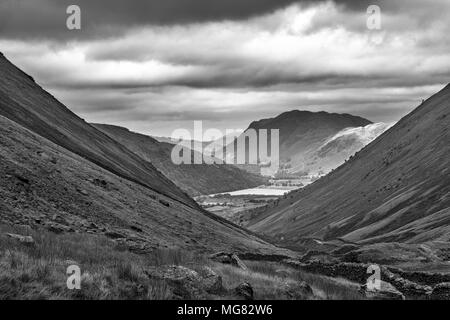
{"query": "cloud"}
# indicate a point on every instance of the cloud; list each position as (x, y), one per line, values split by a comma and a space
(46, 19)
(245, 62)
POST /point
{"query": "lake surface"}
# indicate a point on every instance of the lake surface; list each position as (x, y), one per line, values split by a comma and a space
(261, 191)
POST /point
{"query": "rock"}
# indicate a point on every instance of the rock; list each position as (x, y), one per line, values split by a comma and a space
(221, 257)
(297, 290)
(20, 238)
(407, 287)
(114, 235)
(92, 226)
(83, 192)
(228, 258)
(441, 291)
(136, 228)
(164, 203)
(56, 228)
(211, 281)
(22, 178)
(186, 283)
(282, 273)
(386, 291)
(244, 291)
(238, 262)
(59, 219)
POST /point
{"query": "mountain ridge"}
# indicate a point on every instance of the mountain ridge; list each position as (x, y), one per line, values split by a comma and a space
(195, 179)
(44, 117)
(398, 173)
(63, 175)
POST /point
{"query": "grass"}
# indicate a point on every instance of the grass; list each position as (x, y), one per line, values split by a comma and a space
(109, 271)
(270, 281)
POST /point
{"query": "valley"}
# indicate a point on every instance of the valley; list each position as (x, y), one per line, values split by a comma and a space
(110, 201)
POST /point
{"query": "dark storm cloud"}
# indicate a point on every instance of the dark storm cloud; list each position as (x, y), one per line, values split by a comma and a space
(161, 64)
(46, 19)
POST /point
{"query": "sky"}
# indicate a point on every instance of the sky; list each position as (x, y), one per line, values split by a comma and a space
(156, 66)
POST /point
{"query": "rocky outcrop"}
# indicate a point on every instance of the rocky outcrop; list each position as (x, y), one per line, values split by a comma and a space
(20, 238)
(441, 291)
(357, 272)
(228, 258)
(351, 271)
(427, 278)
(409, 288)
(244, 291)
(185, 283)
(385, 291)
(297, 290)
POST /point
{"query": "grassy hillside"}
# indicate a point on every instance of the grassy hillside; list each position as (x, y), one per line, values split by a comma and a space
(395, 189)
(26, 103)
(109, 271)
(195, 179)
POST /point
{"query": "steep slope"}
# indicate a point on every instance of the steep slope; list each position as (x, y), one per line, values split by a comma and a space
(395, 189)
(26, 103)
(59, 173)
(337, 149)
(301, 129)
(43, 185)
(195, 179)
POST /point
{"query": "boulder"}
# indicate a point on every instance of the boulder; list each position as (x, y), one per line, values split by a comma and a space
(407, 287)
(441, 291)
(114, 235)
(186, 283)
(244, 291)
(56, 228)
(228, 258)
(238, 262)
(221, 257)
(386, 291)
(299, 290)
(83, 192)
(164, 203)
(211, 281)
(20, 238)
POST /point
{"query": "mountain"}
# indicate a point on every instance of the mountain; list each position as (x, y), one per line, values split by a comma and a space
(397, 189)
(300, 130)
(195, 179)
(302, 133)
(62, 174)
(26, 103)
(337, 149)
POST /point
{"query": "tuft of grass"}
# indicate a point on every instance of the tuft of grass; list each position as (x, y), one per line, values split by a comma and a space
(38, 271)
(271, 280)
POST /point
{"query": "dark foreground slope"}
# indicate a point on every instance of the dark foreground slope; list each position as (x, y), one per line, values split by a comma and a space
(397, 189)
(195, 179)
(43, 185)
(26, 103)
